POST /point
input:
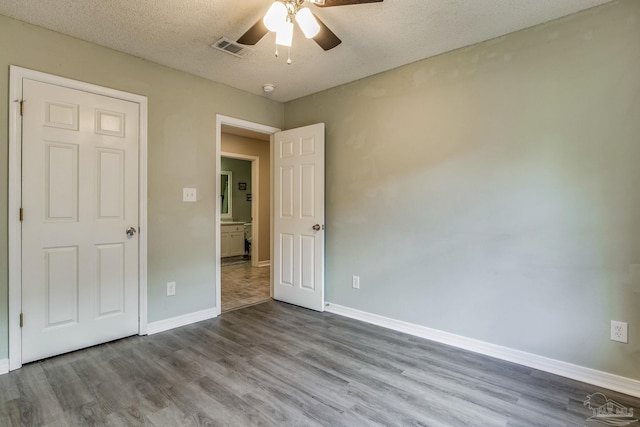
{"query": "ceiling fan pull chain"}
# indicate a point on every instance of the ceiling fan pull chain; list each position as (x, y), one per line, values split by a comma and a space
(289, 59)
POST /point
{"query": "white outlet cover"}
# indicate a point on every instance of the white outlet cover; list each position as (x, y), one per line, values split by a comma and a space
(171, 288)
(189, 194)
(619, 331)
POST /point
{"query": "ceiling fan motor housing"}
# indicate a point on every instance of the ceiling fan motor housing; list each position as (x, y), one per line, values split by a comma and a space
(324, 37)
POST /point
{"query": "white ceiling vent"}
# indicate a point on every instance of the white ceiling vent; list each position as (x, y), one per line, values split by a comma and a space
(233, 48)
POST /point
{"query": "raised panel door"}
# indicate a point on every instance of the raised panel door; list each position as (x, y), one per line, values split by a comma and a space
(79, 195)
(298, 265)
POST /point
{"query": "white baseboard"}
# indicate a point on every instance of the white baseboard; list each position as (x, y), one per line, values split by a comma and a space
(185, 319)
(264, 263)
(4, 366)
(579, 373)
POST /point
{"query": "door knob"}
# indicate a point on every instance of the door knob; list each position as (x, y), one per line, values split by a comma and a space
(131, 231)
(316, 227)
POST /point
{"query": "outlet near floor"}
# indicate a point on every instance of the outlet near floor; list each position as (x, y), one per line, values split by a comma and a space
(171, 288)
(355, 282)
(619, 331)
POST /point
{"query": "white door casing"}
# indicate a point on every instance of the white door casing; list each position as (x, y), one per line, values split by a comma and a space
(298, 220)
(82, 182)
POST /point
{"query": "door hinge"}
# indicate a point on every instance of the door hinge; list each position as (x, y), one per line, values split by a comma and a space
(21, 215)
(21, 320)
(22, 107)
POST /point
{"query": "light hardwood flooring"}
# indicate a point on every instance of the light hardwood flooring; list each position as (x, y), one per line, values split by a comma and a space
(275, 364)
(242, 284)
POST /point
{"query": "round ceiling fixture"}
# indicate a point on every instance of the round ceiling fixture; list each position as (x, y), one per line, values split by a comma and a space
(268, 88)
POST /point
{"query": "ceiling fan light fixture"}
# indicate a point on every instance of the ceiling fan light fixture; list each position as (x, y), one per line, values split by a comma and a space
(284, 35)
(307, 23)
(276, 16)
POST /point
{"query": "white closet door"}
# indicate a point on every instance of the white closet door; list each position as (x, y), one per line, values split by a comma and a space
(80, 195)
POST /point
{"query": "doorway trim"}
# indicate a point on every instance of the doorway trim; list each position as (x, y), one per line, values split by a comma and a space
(16, 76)
(255, 200)
(244, 124)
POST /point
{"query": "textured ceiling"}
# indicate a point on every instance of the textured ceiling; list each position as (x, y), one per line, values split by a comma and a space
(376, 37)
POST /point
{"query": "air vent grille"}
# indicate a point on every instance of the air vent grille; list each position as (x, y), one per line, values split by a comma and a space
(232, 48)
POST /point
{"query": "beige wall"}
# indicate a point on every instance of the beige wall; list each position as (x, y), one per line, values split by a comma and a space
(254, 147)
(182, 123)
(493, 192)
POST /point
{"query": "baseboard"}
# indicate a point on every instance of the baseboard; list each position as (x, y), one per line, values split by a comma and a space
(4, 366)
(264, 263)
(579, 373)
(176, 322)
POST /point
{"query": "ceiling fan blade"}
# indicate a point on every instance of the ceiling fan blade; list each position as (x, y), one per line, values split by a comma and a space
(330, 3)
(326, 39)
(254, 34)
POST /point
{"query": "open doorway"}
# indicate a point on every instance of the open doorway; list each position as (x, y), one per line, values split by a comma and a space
(237, 201)
(243, 215)
(244, 282)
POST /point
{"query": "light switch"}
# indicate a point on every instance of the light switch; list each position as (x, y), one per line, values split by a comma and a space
(189, 194)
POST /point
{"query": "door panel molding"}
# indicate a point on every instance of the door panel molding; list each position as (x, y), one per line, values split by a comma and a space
(17, 75)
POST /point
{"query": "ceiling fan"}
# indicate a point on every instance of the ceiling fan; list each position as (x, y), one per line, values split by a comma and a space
(280, 16)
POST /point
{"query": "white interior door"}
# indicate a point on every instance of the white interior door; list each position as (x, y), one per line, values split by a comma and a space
(79, 196)
(298, 224)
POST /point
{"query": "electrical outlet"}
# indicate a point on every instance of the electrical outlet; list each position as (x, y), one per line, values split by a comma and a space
(171, 288)
(619, 331)
(355, 282)
(189, 194)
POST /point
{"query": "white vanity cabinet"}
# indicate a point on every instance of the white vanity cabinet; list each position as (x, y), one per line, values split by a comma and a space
(231, 240)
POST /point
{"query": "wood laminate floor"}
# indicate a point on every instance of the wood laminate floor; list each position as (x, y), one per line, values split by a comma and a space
(274, 364)
(242, 284)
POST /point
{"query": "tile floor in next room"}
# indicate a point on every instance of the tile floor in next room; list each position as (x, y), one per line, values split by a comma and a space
(242, 284)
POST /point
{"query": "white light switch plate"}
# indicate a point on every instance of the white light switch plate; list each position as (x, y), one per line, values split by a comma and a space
(189, 194)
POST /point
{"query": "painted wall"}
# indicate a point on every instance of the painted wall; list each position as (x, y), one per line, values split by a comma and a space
(240, 206)
(182, 123)
(261, 149)
(493, 192)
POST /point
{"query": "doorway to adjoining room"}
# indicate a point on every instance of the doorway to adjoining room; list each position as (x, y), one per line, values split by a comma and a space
(244, 219)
